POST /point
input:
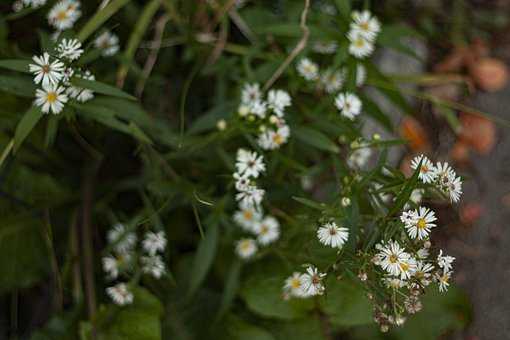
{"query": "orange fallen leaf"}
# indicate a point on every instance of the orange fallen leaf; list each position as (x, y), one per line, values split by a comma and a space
(460, 152)
(471, 212)
(490, 74)
(477, 132)
(414, 133)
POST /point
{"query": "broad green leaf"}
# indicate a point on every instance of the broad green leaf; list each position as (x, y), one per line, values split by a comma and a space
(442, 312)
(101, 88)
(235, 328)
(344, 7)
(140, 320)
(100, 17)
(231, 287)
(204, 257)
(310, 203)
(262, 292)
(346, 303)
(315, 138)
(20, 65)
(23, 254)
(309, 328)
(26, 125)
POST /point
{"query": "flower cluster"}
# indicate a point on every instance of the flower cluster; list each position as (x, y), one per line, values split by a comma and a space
(303, 285)
(329, 80)
(362, 34)
(442, 176)
(64, 14)
(249, 165)
(107, 43)
(124, 260)
(267, 114)
(54, 75)
(18, 5)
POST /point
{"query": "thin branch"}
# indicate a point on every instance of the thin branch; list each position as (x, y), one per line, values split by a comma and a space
(241, 24)
(153, 56)
(299, 47)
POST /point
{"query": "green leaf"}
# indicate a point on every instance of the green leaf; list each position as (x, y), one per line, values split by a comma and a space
(231, 287)
(309, 328)
(20, 65)
(100, 17)
(315, 138)
(344, 7)
(23, 254)
(18, 85)
(310, 203)
(140, 320)
(26, 125)
(403, 197)
(391, 37)
(262, 292)
(203, 258)
(101, 88)
(235, 328)
(346, 303)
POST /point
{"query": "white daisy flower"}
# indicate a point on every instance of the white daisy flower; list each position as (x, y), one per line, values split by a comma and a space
(249, 163)
(360, 47)
(443, 280)
(250, 197)
(325, 47)
(278, 100)
(364, 23)
(64, 14)
(418, 223)
(308, 69)
(243, 182)
(312, 281)
(246, 248)
(294, 285)
(273, 139)
(123, 239)
(348, 104)
(250, 94)
(428, 172)
(407, 268)
(81, 94)
(330, 234)
(445, 262)
(393, 258)
(110, 266)
(70, 49)
(153, 265)
(120, 294)
(45, 71)
(154, 242)
(247, 218)
(51, 98)
(448, 181)
(33, 3)
(361, 75)
(258, 108)
(359, 157)
(423, 272)
(108, 43)
(332, 81)
(454, 188)
(17, 6)
(267, 230)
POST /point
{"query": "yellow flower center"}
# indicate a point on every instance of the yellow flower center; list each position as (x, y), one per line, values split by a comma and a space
(295, 283)
(421, 224)
(51, 97)
(264, 229)
(277, 138)
(62, 15)
(424, 169)
(248, 215)
(364, 26)
(359, 42)
(404, 266)
(393, 258)
(245, 245)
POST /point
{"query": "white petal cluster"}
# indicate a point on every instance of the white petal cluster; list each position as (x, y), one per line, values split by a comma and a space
(330, 234)
(246, 248)
(348, 104)
(419, 222)
(107, 43)
(362, 34)
(18, 5)
(303, 285)
(267, 113)
(64, 14)
(54, 76)
(308, 69)
(125, 258)
(442, 176)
